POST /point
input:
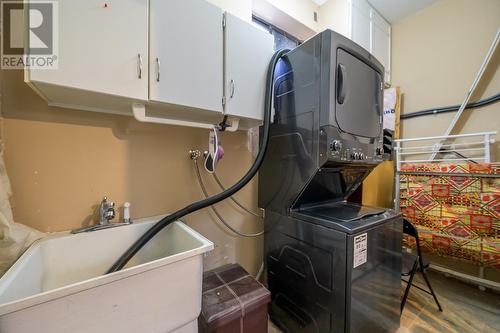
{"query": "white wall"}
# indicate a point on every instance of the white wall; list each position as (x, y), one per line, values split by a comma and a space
(301, 10)
(295, 17)
(240, 8)
(332, 15)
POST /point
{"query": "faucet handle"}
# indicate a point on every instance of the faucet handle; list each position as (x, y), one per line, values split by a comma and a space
(110, 213)
(126, 213)
(106, 204)
(106, 211)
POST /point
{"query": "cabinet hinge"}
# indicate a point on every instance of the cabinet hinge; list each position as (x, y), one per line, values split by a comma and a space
(223, 100)
(224, 21)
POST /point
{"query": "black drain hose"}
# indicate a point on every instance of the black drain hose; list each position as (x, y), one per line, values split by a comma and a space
(478, 104)
(148, 235)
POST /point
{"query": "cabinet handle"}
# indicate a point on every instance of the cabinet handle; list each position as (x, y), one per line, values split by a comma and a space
(158, 70)
(341, 84)
(232, 89)
(139, 64)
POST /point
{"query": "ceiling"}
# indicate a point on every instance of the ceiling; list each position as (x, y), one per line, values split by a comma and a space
(395, 10)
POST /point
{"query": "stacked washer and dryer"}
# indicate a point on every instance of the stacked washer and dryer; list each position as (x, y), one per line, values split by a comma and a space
(332, 266)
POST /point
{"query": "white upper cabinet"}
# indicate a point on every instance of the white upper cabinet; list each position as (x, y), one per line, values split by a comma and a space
(361, 23)
(100, 49)
(178, 62)
(248, 51)
(186, 54)
(372, 32)
(381, 42)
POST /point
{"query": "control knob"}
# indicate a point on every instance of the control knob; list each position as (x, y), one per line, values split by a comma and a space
(361, 156)
(335, 145)
(379, 151)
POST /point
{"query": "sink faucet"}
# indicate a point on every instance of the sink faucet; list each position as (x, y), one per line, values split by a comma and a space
(106, 211)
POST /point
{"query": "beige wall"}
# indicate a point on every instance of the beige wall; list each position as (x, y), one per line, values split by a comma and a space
(435, 57)
(61, 162)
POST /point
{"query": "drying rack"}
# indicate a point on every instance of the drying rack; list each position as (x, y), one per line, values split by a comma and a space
(478, 144)
(456, 149)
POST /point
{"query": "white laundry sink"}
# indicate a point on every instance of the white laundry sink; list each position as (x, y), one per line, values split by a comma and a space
(58, 286)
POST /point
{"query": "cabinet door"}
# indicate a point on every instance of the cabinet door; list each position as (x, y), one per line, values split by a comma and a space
(381, 42)
(186, 64)
(360, 23)
(101, 47)
(248, 51)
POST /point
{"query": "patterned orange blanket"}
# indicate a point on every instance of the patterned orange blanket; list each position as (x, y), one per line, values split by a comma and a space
(456, 208)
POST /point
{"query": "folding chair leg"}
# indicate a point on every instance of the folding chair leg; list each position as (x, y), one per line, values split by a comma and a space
(410, 280)
(432, 290)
